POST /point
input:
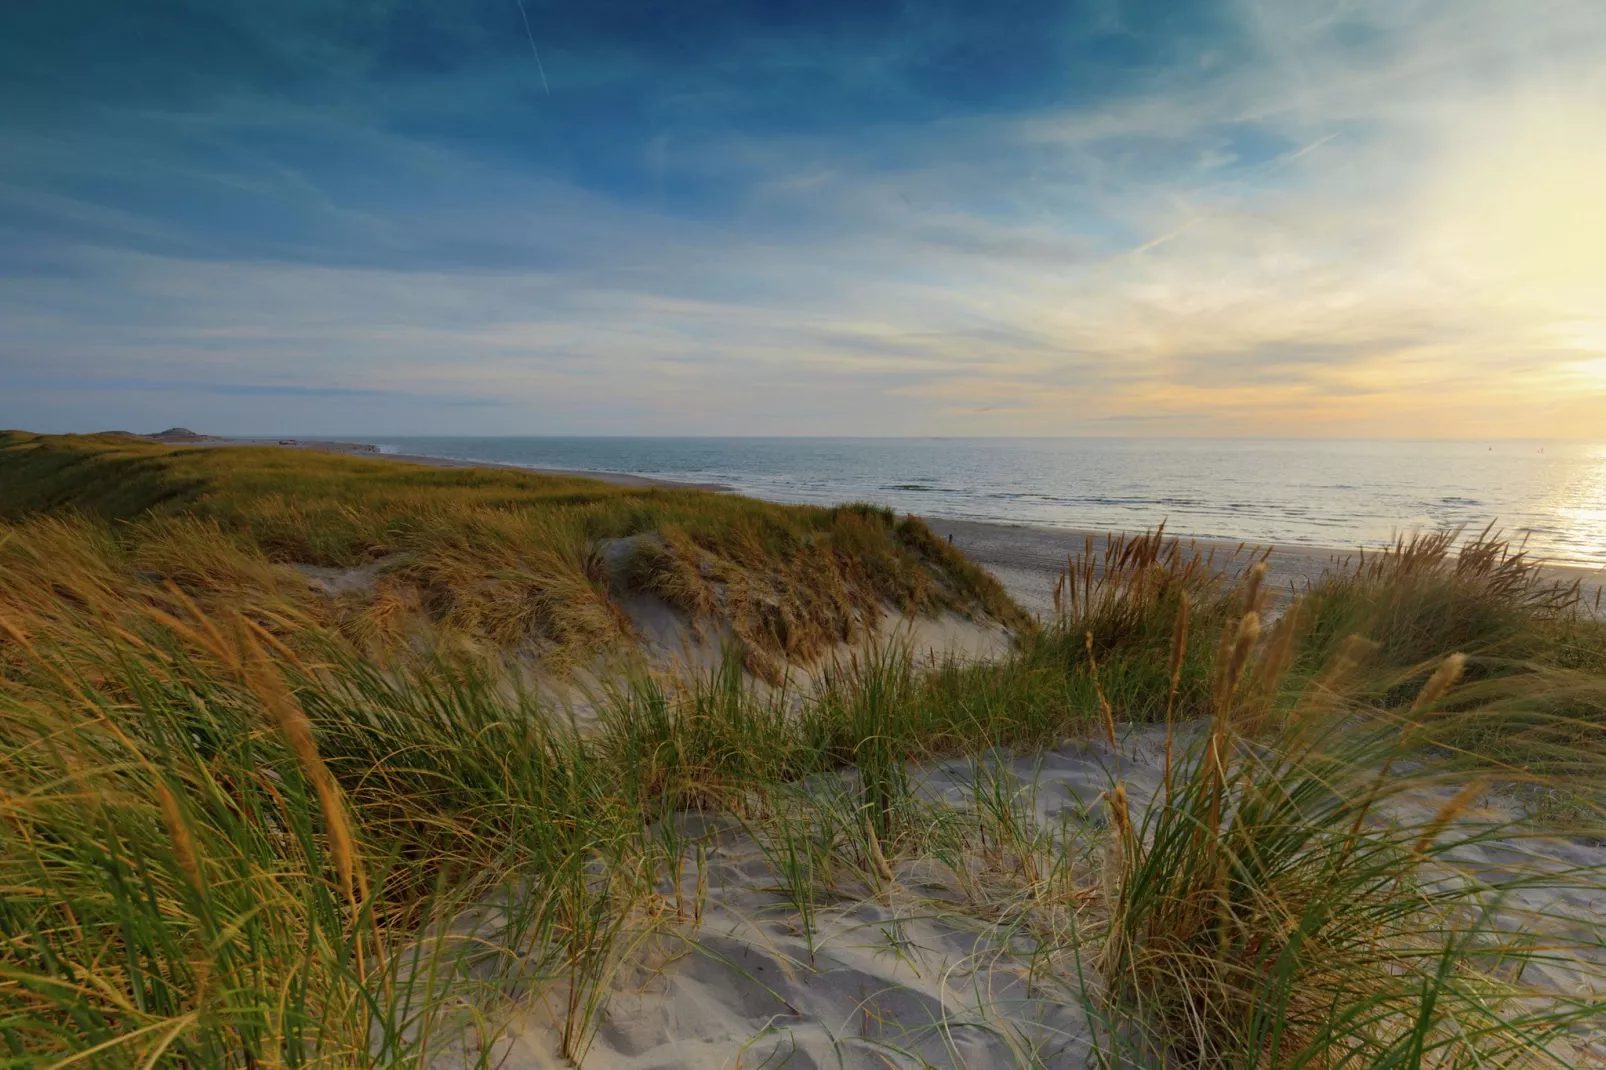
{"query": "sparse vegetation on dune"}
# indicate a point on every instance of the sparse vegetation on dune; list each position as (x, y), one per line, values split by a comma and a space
(238, 831)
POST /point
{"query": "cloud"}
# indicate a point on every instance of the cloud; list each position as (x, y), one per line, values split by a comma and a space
(1270, 216)
(245, 390)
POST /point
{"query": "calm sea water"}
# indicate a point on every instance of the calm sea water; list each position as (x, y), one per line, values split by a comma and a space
(1322, 493)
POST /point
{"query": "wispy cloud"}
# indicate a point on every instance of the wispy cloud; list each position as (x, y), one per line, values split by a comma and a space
(244, 390)
(1269, 216)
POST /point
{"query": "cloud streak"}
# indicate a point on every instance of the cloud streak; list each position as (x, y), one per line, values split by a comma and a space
(1268, 217)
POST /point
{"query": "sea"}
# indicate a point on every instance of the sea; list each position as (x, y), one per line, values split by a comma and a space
(1326, 493)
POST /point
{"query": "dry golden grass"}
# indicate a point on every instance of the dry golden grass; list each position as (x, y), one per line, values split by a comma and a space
(500, 562)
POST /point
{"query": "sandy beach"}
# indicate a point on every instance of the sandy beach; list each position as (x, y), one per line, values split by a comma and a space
(1027, 560)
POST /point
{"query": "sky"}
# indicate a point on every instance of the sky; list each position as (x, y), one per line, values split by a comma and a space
(1002, 217)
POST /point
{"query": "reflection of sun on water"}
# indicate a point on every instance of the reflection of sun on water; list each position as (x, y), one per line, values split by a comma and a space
(1583, 515)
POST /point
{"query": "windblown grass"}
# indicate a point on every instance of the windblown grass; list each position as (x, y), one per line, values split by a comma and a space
(1267, 911)
(233, 833)
(499, 560)
(1271, 906)
(1427, 594)
(211, 860)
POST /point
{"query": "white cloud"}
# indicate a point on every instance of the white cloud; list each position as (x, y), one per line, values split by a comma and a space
(1376, 216)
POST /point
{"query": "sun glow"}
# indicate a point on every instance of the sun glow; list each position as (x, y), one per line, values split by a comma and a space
(1593, 373)
(1517, 206)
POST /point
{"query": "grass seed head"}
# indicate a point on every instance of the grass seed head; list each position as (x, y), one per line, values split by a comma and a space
(1440, 683)
(178, 834)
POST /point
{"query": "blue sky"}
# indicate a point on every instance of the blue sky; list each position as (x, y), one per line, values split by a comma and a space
(1259, 217)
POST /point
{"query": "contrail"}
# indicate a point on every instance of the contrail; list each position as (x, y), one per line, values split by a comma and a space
(533, 50)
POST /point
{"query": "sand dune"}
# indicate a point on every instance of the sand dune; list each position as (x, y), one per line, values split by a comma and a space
(914, 974)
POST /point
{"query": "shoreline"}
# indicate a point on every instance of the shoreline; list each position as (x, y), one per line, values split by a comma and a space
(1027, 559)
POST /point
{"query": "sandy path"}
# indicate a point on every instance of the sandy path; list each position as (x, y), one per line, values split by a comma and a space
(903, 979)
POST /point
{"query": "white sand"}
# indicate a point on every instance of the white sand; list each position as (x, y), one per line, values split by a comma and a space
(908, 978)
(886, 985)
(904, 979)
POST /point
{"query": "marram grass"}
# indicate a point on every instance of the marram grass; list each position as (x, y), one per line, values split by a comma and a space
(235, 834)
(494, 561)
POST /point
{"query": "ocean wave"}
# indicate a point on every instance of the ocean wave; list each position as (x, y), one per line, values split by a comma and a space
(1222, 491)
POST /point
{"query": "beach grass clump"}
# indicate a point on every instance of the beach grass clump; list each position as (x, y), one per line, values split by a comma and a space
(1277, 909)
(182, 882)
(1536, 651)
(1308, 891)
(1152, 620)
(1129, 593)
(1123, 615)
(500, 561)
(219, 854)
(1433, 592)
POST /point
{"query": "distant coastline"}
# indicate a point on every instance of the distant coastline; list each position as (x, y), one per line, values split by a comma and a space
(180, 436)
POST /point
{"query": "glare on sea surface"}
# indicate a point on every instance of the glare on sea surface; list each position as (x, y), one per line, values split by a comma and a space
(1583, 513)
